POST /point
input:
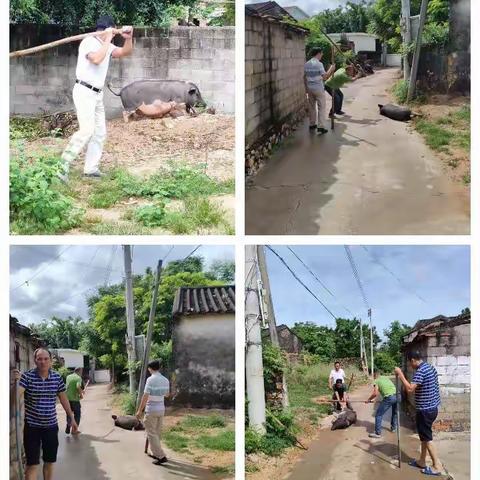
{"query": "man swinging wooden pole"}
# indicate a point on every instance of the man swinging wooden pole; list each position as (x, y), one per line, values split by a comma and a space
(398, 424)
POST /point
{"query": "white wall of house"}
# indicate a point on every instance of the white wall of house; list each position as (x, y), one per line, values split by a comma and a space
(101, 376)
(394, 60)
(72, 358)
(364, 42)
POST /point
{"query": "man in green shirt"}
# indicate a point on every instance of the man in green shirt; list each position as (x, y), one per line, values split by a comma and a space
(385, 387)
(74, 394)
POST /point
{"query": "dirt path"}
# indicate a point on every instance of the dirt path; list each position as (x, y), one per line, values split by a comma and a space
(105, 452)
(351, 455)
(372, 175)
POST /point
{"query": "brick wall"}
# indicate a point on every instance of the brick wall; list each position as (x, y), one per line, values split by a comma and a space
(203, 55)
(449, 352)
(274, 88)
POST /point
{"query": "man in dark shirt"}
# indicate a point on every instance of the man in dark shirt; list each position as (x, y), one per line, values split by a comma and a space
(427, 400)
(340, 394)
(41, 386)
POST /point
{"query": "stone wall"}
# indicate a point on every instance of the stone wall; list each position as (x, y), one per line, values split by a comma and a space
(204, 360)
(449, 352)
(274, 87)
(43, 82)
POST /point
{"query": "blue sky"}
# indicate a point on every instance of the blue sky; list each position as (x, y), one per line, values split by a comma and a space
(440, 275)
(310, 6)
(61, 285)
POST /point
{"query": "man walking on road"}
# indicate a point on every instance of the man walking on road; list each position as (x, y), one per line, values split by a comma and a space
(74, 395)
(93, 60)
(41, 386)
(427, 400)
(314, 78)
(157, 387)
(385, 387)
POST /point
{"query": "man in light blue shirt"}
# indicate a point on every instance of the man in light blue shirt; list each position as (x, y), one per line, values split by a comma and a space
(157, 387)
(314, 77)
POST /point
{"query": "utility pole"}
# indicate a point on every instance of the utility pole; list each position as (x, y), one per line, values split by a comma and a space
(148, 342)
(272, 324)
(407, 36)
(253, 360)
(130, 337)
(418, 49)
(371, 338)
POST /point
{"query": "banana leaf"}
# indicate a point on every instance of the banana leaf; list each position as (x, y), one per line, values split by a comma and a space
(339, 79)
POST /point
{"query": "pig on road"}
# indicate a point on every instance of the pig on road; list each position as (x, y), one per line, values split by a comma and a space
(148, 91)
(395, 112)
(128, 422)
(344, 420)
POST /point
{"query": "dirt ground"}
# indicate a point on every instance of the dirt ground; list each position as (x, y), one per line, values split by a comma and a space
(438, 107)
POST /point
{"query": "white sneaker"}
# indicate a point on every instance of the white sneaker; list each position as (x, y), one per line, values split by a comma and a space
(374, 435)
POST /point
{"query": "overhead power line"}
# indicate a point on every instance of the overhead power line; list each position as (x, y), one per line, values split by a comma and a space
(42, 269)
(319, 281)
(168, 253)
(192, 252)
(357, 276)
(300, 282)
(376, 260)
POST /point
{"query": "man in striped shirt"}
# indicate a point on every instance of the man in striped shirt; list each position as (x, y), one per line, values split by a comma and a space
(427, 400)
(40, 387)
(157, 387)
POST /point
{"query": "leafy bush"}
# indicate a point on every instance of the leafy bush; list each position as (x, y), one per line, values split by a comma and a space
(26, 128)
(64, 372)
(384, 362)
(150, 215)
(436, 34)
(39, 203)
(400, 91)
(129, 405)
(274, 364)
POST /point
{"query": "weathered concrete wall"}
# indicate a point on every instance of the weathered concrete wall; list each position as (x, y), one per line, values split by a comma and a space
(43, 82)
(449, 352)
(204, 360)
(274, 87)
(289, 342)
(25, 353)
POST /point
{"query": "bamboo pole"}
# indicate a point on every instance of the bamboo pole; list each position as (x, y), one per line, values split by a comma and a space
(56, 43)
(398, 425)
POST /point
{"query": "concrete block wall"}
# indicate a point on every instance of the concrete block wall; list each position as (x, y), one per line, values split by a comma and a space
(43, 82)
(274, 88)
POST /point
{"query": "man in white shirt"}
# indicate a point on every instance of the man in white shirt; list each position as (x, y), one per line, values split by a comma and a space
(314, 76)
(157, 387)
(93, 60)
(335, 374)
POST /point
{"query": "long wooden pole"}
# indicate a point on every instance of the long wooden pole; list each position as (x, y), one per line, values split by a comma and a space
(398, 425)
(332, 116)
(56, 43)
(148, 343)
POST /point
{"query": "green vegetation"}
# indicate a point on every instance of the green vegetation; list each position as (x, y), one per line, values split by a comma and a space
(26, 128)
(39, 202)
(450, 131)
(400, 91)
(210, 432)
(229, 470)
(151, 13)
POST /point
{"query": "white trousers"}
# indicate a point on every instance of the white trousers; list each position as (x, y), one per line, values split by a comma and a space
(92, 131)
(317, 107)
(153, 425)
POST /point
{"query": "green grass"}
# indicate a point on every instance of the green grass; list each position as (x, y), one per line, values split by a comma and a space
(201, 422)
(223, 441)
(108, 228)
(450, 131)
(26, 128)
(400, 91)
(251, 467)
(175, 441)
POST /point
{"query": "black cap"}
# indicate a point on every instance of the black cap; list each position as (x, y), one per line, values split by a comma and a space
(105, 21)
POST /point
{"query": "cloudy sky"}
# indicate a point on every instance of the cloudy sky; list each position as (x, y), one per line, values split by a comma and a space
(60, 277)
(310, 6)
(433, 280)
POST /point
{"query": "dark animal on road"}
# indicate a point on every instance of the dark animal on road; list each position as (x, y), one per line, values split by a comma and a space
(344, 420)
(395, 112)
(128, 422)
(148, 91)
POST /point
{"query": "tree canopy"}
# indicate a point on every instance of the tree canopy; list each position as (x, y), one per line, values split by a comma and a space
(84, 13)
(103, 334)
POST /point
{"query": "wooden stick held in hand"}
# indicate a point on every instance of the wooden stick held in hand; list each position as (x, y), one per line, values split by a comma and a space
(56, 43)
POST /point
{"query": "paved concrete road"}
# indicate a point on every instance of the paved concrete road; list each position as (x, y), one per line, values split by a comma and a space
(371, 175)
(351, 455)
(105, 452)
